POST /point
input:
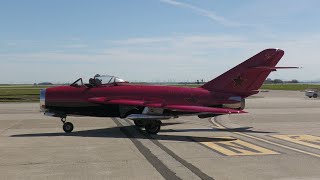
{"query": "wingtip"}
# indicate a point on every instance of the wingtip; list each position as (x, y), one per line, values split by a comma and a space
(241, 112)
(237, 112)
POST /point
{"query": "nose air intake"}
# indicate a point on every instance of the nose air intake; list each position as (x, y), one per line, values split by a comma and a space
(42, 100)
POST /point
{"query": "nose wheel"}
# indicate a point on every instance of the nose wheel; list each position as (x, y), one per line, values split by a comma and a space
(67, 126)
(153, 127)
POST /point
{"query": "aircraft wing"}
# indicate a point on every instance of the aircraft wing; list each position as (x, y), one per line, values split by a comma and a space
(204, 109)
(103, 100)
(183, 108)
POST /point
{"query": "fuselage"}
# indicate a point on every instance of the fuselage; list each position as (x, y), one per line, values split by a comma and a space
(74, 100)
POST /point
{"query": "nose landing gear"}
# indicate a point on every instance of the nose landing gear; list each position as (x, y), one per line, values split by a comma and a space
(67, 126)
(153, 127)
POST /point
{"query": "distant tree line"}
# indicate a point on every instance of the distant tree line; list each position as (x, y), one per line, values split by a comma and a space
(43, 83)
(49, 84)
(279, 81)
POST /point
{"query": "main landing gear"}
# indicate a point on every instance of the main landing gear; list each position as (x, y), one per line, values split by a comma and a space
(151, 126)
(67, 126)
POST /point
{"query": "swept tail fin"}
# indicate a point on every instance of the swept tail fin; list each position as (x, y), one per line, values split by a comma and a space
(246, 78)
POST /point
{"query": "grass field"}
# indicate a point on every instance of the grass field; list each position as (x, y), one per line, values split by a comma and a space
(290, 87)
(30, 93)
(19, 93)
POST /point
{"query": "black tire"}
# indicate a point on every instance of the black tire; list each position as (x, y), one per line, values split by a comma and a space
(138, 123)
(67, 127)
(310, 96)
(153, 128)
(315, 95)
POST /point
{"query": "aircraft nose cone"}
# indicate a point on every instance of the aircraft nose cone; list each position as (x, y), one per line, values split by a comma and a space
(42, 99)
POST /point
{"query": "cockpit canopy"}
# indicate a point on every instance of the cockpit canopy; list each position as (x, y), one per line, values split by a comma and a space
(107, 79)
(99, 80)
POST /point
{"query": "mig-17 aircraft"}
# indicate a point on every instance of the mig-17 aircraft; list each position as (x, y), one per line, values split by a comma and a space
(147, 105)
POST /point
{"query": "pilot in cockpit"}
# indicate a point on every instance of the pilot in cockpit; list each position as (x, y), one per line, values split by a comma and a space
(95, 82)
(92, 82)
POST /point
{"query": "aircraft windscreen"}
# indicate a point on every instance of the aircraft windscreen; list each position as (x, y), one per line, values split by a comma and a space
(78, 82)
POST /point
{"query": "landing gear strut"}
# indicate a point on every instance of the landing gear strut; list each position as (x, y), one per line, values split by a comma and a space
(153, 127)
(67, 126)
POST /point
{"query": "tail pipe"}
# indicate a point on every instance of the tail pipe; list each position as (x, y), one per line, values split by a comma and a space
(240, 104)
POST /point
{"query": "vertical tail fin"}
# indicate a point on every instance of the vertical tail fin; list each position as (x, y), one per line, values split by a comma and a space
(248, 76)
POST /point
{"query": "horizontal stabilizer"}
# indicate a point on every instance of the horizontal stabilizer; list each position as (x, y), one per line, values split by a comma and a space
(273, 68)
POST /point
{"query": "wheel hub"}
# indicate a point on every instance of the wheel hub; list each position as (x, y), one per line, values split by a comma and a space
(68, 127)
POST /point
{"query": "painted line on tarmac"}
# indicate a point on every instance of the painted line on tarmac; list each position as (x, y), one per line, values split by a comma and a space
(214, 121)
(236, 147)
(188, 165)
(152, 159)
(305, 140)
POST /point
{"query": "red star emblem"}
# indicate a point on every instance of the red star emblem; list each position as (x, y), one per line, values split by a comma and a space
(238, 81)
(268, 56)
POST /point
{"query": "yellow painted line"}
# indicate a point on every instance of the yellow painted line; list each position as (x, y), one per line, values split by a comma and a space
(306, 140)
(236, 147)
(266, 141)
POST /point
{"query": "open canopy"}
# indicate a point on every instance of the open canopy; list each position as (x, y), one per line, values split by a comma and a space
(107, 79)
(99, 80)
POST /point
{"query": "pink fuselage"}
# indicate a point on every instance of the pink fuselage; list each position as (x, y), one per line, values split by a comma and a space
(74, 100)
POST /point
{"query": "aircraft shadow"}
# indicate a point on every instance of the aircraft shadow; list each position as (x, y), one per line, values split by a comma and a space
(241, 129)
(125, 132)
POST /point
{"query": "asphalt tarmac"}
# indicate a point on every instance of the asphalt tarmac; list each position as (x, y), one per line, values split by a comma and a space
(278, 139)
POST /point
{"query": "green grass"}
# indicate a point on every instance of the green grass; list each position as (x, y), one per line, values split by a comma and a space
(20, 93)
(291, 87)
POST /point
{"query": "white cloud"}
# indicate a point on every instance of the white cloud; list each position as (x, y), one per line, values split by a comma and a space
(174, 48)
(203, 12)
(137, 41)
(184, 57)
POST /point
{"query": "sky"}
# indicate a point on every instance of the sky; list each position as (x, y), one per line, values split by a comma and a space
(153, 40)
